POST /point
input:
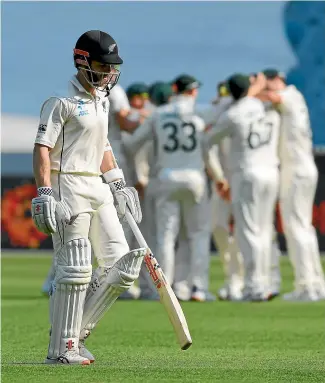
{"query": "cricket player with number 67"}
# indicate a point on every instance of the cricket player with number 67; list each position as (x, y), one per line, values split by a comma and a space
(80, 210)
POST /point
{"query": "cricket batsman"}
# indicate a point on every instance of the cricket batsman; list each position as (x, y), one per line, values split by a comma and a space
(81, 211)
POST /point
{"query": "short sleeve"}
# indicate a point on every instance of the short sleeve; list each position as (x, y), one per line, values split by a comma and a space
(52, 118)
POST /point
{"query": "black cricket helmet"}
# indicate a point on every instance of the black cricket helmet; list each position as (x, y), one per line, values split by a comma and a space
(98, 46)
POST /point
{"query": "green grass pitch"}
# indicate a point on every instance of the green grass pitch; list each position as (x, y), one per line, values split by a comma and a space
(232, 342)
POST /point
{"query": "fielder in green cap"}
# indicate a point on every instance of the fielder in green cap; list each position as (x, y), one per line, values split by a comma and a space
(299, 176)
(253, 168)
(138, 95)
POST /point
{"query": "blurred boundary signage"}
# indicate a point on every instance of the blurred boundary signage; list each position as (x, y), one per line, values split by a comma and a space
(19, 232)
(17, 227)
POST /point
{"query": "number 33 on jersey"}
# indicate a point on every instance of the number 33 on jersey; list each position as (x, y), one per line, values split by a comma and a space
(177, 135)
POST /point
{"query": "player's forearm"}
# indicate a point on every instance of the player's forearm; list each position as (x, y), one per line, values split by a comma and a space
(108, 162)
(213, 166)
(42, 165)
(125, 124)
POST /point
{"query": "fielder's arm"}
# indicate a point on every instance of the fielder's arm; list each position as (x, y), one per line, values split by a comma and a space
(143, 134)
(124, 123)
(222, 129)
(258, 86)
(213, 164)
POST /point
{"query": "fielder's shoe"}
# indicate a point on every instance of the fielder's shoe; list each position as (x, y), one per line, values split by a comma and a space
(68, 357)
(182, 292)
(202, 296)
(230, 293)
(301, 296)
(320, 290)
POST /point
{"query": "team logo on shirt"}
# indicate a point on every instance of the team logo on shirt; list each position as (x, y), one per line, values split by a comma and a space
(81, 109)
(42, 128)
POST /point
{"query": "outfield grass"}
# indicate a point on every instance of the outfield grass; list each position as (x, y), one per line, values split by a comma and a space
(232, 342)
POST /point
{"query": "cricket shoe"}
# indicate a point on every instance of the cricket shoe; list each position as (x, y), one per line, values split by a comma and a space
(182, 292)
(256, 297)
(68, 357)
(82, 349)
(228, 293)
(84, 352)
(301, 296)
(202, 296)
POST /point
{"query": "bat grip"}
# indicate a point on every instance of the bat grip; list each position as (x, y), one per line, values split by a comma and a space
(136, 231)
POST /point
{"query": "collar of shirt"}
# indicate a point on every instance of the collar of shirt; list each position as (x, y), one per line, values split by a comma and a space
(75, 82)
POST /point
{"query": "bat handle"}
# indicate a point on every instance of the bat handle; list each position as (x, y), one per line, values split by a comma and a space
(136, 231)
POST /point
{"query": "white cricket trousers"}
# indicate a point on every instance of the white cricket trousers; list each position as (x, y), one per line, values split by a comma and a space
(170, 213)
(94, 216)
(227, 245)
(254, 194)
(185, 278)
(297, 193)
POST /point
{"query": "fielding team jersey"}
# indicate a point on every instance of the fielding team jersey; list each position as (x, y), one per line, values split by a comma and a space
(176, 132)
(211, 116)
(296, 137)
(253, 132)
(118, 101)
(75, 128)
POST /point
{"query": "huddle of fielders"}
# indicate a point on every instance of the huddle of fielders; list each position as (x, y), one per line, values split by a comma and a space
(150, 154)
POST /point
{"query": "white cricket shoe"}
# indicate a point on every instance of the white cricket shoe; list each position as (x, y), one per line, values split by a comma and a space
(68, 357)
(182, 291)
(84, 352)
(230, 293)
(202, 296)
(301, 296)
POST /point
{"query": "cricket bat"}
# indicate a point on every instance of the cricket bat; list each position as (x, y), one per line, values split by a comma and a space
(166, 293)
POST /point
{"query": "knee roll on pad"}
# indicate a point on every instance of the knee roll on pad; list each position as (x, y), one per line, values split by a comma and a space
(108, 284)
(127, 269)
(73, 265)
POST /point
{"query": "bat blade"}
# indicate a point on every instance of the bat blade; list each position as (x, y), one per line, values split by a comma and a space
(170, 302)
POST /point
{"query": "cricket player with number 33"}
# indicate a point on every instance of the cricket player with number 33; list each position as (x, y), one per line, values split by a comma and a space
(80, 210)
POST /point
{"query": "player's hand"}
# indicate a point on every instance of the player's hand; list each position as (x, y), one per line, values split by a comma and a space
(126, 197)
(223, 189)
(47, 212)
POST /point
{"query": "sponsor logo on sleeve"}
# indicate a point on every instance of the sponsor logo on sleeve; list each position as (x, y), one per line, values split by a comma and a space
(42, 128)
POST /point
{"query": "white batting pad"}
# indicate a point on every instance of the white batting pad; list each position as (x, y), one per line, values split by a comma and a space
(73, 274)
(108, 284)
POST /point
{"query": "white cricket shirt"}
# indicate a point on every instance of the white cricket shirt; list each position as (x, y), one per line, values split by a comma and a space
(75, 128)
(176, 131)
(296, 148)
(253, 132)
(118, 101)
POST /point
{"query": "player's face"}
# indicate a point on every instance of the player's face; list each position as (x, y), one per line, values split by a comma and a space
(106, 73)
(138, 101)
(274, 84)
(195, 92)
